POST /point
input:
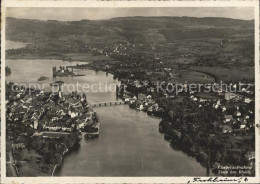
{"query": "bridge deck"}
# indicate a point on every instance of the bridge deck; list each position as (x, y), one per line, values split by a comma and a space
(109, 103)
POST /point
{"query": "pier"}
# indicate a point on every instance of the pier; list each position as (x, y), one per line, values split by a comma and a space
(109, 103)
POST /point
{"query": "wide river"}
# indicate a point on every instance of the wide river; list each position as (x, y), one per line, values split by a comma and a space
(129, 143)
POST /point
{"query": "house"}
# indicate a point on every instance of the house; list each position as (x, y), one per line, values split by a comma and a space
(132, 100)
(35, 124)
(238, 113)
(107, 66)
(151, 89)
(18, 145)
(149, 97)
(127, 98)
(230, 96)
(248, 100)
(243, 125)
(141, 107)
(228, 118)
(149, 73)
(226, 129)
(203, 100)
(73, 114)
(192, 92)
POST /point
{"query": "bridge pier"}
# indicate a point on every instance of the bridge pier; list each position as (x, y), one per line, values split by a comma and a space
(108, 103)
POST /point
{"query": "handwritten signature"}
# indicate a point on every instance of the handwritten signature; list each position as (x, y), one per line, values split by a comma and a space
(217, 180)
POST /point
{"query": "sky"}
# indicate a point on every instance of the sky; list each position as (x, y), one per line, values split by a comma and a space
(71, 14)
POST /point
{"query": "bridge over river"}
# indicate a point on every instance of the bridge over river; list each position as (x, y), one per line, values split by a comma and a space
(107, 103)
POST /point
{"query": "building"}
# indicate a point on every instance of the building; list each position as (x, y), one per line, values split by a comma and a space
(18, 145)
(243, 125)
(228, 118)
(248, 100)
(226, 129)
(238, 113)
(231, 96)
(127, 98)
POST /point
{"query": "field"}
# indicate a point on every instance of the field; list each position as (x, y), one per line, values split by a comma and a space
(29, 159)
(229, 74)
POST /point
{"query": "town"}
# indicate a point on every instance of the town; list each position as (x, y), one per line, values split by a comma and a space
(43, 126)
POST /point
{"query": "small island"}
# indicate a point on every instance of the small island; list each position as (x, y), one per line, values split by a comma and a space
(43, 78)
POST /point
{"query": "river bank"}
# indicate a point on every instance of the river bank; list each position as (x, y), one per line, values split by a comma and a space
(64, 154)
(71, 57)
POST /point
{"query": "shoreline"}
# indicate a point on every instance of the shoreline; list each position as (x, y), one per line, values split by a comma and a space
(64, 154)
(32, 57)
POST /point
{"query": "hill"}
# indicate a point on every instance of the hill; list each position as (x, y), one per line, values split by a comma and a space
(167, 38)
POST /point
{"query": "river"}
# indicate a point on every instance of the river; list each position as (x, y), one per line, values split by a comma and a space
(129, 143)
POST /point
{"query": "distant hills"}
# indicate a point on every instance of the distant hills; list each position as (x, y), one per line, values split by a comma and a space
(126, 27)
(180, 40)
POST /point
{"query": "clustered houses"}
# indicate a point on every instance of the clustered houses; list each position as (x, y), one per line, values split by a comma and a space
(34, 116)
(236, 107)
(44, 111)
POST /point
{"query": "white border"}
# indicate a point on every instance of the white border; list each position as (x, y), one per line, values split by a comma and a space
(4, 179)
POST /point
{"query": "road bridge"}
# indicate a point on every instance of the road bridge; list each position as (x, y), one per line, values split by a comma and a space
(108, 103)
